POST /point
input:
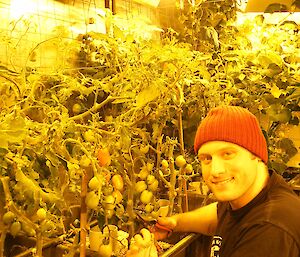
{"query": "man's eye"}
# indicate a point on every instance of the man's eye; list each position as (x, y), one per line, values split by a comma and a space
(228, 155)
(205, 159)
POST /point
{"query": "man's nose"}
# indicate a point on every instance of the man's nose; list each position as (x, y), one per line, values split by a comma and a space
(217, 167)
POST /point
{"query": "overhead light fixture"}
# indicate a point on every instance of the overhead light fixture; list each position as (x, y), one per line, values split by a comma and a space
(268, 6)
(152, 3)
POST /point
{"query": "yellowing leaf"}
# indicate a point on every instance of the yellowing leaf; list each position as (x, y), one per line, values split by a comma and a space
(276, 92)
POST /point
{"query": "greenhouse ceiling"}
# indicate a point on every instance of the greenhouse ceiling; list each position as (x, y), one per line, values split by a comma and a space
(246, 5)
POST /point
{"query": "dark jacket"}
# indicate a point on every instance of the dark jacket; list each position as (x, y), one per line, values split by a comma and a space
(268, 226)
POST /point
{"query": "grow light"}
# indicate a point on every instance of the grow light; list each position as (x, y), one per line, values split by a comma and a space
(152, 3)
(269, 6)
(20, 8)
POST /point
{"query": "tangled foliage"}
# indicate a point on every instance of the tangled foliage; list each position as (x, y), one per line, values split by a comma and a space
(125, 94)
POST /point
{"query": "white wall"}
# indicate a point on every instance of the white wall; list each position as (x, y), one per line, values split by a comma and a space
(38, 33)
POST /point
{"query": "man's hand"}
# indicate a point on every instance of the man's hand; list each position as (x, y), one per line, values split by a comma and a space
(142, 245)
(160, 233)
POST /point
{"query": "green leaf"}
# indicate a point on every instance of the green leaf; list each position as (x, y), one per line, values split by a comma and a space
(269, 57)
(278, 113)
(12, 131)
(295, 95)
(273, 69)
(3, 140)
(125, 138)
(147, 95)
(276, 92)
(288, 146)
(118, 33)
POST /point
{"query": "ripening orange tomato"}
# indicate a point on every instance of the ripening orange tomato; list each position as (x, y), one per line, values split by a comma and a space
(103, 156)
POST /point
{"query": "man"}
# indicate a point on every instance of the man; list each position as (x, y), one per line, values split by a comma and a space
(256, 213)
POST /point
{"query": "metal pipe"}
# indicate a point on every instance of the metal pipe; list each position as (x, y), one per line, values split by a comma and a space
(181, 245)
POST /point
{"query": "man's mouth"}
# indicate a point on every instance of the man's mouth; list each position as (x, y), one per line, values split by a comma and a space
(223, 181)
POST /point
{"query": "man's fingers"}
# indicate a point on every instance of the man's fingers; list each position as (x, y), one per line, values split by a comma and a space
(168, 222)
(133, 251)
(146, 234)
(145, 240)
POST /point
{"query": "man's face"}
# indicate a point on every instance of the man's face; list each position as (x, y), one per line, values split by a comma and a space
(230, 171)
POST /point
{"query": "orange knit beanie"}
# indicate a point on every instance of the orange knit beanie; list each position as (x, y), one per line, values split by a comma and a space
(235, 125)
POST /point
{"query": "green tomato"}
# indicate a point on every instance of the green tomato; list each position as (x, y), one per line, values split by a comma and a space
(41, 214)
(105, 250)
(89, 136)
(153, 186)
(85, 161)
(109, 118)
(118, 196)
(109, 202)
(15, 228)
(8, 217)
(107, 190)
(94, 183)
(146, 196)
(144, 172)
(164, 164)
(76, 108)
(140, 186)
(150, 179)
(149, 208)
(144, 149)
(180, 161)
(92, 200)
(109, 199)
(150, 165)
(189, 169)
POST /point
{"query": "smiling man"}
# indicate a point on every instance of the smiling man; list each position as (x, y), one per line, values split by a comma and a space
(256, 213)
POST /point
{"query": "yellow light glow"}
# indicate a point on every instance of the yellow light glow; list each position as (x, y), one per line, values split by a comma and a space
(153, 3)
(19, 8)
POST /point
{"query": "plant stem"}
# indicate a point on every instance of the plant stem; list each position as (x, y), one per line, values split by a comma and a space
(39, 244)
(2, 242)
(183, 193)
(83, 215)
(95, 108)
(172, 191)
(180, 130)
(183, 182)
(130, 202)
(183, 200)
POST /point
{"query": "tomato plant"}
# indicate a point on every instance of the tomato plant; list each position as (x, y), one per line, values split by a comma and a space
(123, 125)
